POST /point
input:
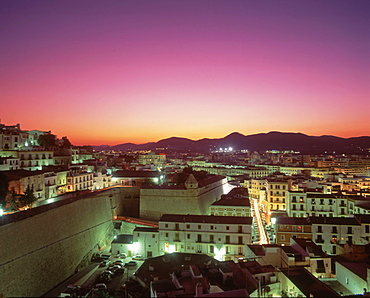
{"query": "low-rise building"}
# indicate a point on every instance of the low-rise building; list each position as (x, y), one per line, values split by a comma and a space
(354, 276)
(296, 282)
(222, 237)
(235, 203)
(147, 239)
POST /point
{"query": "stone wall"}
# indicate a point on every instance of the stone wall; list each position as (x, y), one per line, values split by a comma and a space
(154, 202)
(43, 246)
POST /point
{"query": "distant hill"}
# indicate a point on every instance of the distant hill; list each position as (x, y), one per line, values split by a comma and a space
(258, 142)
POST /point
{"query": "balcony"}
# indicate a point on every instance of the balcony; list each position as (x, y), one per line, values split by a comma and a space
(319, 241)
(176, 240)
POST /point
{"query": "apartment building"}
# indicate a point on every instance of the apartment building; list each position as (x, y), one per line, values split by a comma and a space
(35, 159)
(222, 237)
(50, 179)
(277, 189)
(152, 159)
(292, 227)
(256, 187)
(327, 232)
(9, 163)
(79, 181)
(302, 204)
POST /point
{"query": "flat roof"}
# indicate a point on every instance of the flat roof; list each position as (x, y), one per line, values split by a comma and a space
(308, 284)
(335, 220)
(206, 219)
(135, 174)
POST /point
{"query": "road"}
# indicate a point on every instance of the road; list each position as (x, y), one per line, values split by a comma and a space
(261, 229)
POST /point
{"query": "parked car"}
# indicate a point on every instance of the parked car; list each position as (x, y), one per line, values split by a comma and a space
(131, 264)
(118, 262)
(101, 286)
(105, 263)
(108, 272)
(115, 267)
(119, 271)
(122, 255)
(138, 257)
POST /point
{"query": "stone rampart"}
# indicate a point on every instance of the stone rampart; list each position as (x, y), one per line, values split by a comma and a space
(41, 249)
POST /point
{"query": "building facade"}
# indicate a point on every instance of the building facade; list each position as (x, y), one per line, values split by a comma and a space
(222, 237)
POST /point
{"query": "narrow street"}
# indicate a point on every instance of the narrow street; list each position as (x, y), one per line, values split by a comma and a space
(261, 229)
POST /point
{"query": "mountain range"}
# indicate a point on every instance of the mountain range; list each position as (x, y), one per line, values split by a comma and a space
(257, 142)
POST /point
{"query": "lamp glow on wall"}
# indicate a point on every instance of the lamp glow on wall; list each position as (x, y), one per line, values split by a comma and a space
(219, 254)
(135, 247)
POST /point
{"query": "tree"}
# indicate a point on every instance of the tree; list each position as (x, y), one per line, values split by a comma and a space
(4, 184)
(65, 144)
(27, 198)
(47, 140)
(14, 201)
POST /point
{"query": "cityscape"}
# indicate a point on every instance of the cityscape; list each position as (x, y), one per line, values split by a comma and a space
(185, 148)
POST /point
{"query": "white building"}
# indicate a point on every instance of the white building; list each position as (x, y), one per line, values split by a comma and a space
(147, 240)
(302, 204)
(327, 232)
(79, 181)
(222, 237)
(102, 180)
(354, 276)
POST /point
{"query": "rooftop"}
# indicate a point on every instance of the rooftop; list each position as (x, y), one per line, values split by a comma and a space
(135, 174)
(206, 219)
(232, 201)
(308, 284)
(359, 269)
(335, 220)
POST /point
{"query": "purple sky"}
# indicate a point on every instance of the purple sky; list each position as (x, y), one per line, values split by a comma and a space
(137, 71)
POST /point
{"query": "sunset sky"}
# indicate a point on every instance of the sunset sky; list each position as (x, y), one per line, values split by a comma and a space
(110, 72)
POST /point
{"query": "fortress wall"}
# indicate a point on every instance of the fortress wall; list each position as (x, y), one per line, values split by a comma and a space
(155, 202)
(39, 252)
